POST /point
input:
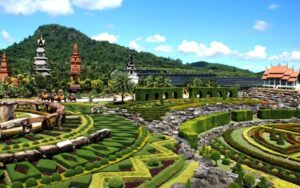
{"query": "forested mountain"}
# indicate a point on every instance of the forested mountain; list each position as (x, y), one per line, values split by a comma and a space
(98, 58)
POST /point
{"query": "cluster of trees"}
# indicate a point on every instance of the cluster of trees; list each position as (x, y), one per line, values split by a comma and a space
(155, 81)
(200, 82)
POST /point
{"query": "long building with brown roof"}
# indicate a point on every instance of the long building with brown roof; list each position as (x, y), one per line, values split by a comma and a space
(281, 76)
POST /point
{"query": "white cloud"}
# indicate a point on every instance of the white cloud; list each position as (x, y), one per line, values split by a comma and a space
(258, 53)
(97, 4)
(214, 49)
(134, 45)
(55, 7)
(286, 56)
(163, 48)
(28, 7)
(6, 37)
(156, 38)
(273, 6)
(105, 37)
(261, 25)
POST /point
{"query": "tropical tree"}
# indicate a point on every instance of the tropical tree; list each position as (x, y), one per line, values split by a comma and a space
(215, 155)
(122, 84)
(155, 81)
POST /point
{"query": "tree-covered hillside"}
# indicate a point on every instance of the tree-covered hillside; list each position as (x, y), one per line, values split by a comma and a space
(98, 58)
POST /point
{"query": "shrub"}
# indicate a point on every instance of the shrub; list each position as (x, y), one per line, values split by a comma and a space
(118, 155)
(262, 183)
(292, 176)
(280, 140)
(89, 166)
(16, 184)
(25, 145)
(226, 161)
(31, 182)
(78, 169)
(234, 185)
(170, 146)
(69, 173)
(215, 155)
(249, 180)
(151, 150)
(104, 161)
(125, 166)
(112, 158)
(242, 115)
(56, 177)
(278, 113)
(96, 164)
(275, 170)
(273, 135)
(116, 182)
(46, 180)
(153, 162)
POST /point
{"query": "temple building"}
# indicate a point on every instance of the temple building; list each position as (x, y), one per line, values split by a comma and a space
(281, 77)
(75, 62)
(41, 61)
(132, 70)
(4, 71)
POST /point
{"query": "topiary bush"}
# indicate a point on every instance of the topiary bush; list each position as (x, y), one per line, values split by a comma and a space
(56, 176)
(112, 158)
(153, 162)
(226, 161)
(78, 169)
(69, 173)
(96, 164)
(16, 184)
(116, 182)
(46, 180)
(104, 161)
(31, 182)
(249, 180)
(89, 166)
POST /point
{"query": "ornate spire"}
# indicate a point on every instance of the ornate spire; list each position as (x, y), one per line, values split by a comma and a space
(75, 48)
(4, 72)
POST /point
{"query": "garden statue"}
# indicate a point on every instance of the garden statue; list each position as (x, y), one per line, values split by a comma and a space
(27, 126)
(45, 96)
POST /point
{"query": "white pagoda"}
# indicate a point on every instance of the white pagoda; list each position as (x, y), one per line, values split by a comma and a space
(41, 61)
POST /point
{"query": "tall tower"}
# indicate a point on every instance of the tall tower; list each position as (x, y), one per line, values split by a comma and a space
(40, 60)
(4, 72)
(132, 70)
(75, 62)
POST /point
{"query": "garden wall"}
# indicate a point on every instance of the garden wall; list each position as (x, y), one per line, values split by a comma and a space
(203, 92)
(145, 94)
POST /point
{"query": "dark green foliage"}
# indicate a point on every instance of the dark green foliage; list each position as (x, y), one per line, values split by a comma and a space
(204, 92)
(16, 184)
(104, 161)
(242, 115)
(96, 164)
(46, 180)
(234, 185)
(78, 169)
(1, 174)
(190, 129)
(188, 184)
(278, 113)
(31, 182)
(154, 82)
(125, 166)
(46, 165)
(215, 155)
(112, 158)
(249, 180)
(145, 94)
(237, 168)
(226, 161)
(153, 162)
(81, 181)
(280, 140)
(89, 166)
(262, 183)
(56, 176)
(165, 175)
(69, 173)
(116, 182)
(273, 135)
(32, 172)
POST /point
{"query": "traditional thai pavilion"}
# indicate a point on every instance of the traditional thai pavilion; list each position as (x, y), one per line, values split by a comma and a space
(41, 61)
(75, 62)
(4, 71)
(132, 70)
(281, 76)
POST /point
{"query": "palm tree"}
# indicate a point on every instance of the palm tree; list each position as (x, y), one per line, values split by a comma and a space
(122, 84)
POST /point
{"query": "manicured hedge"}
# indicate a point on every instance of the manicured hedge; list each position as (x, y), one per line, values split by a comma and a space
(242, 115)
(69, 160)
(190, 129)
(165, 175)
(145, 94)
(14, 175)
(278, 113)
(204, 92)
(46, 165)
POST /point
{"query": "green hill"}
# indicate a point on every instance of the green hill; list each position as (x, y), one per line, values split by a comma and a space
(98, 58)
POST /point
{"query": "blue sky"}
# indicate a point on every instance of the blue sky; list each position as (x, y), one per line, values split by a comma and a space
(249, 34)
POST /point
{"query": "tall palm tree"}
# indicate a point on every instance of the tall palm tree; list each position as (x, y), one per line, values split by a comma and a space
(122, 84)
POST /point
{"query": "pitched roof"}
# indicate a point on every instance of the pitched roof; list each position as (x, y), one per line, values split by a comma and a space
(281, 72)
